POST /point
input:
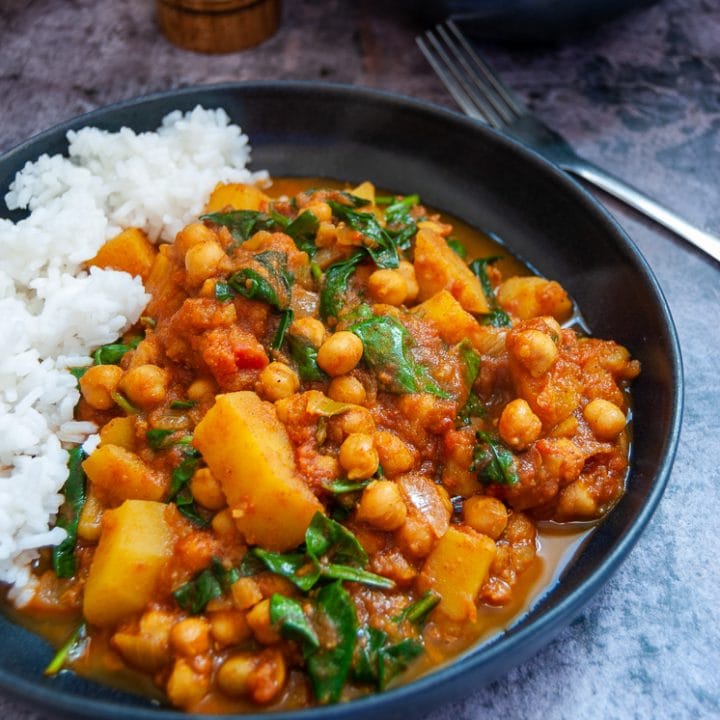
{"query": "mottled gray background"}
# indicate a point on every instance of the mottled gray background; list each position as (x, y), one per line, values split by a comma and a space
(640, 96)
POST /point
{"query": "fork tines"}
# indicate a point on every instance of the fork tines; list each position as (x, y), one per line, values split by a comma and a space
(468, 78)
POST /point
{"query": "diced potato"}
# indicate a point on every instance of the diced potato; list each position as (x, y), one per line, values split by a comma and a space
(130, 251)
(456, 569)
(249, 452)
(167, 295)
(452, 322)
(119, 431)
(136, 542)
(366, 191)
(438, 267)
(529, 297)
(118, 474)
(236, 196)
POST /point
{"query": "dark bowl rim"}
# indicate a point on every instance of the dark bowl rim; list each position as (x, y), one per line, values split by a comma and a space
(547, 623)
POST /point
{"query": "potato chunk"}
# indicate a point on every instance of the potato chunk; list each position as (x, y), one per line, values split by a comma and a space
(135, 543)
(456, 569)
(248, 450)
(130, 251)
(438, 267)
(236, 196)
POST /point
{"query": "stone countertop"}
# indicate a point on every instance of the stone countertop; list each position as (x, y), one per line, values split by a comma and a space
(641, 97)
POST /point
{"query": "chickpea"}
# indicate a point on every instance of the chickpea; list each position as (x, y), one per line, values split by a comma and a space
(536, 351)
(191, 235)
(388, 286)
(519, 425)
(186, 687)
(191, 636)
(223, 524)
(395, 456)
(310, 329)
(407, 270)
(98, 383)
(202, 260)
(269, 676)
(206, 489)
(347, 389)
(485, 514)
(606, 420)
(382, 506)
(229, 627)
(234, 675)
(259, 621)
(340, 353)
(278, 381)
(356, 420)
(145, 385)
(200, 389)
(358, 456)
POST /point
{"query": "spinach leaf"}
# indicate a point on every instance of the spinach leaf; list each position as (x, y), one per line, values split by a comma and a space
(112, 354)
(286, 318)
(70, 650)
(182, 404)
(273, 286)
(497, 316)
(381, 246)
(378, 662)
(300, 569)
(417, 612)
(305, 356)
(211, 583)
(457, 247)
(334, 571)
(400, 224)
(157, 436)
(63, 555)
(180, 486)
(493, 462)
(335, 283)
(329, 665)
(325, 537)
(303, 230)
(223, 292)
(339, 487)
(242, 224)
(78, 372)
(386, 344)
(473, 406)
(354, 200)
(123, 403)
(289, 615)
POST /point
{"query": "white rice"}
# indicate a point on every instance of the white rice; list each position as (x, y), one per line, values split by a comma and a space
(54, 313)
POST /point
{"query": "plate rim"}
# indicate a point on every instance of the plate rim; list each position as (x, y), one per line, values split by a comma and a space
(528, 640)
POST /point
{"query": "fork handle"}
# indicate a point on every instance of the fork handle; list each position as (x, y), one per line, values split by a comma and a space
(631, 196)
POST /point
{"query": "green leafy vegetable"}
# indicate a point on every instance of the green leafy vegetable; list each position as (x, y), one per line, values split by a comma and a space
(493, 462)
(497, 316)
(304, 354)
(63, 555)
(223, 292)
(71, 649)
(473, 406)
(457, 247)
(289, 615)
(327, 538)
(122, 402)
(303, 230)
(242, 224)
(78, 372)
(182, 404)
(211, 583)
(329, 665)
(300, 569)
(355, 200)
(180, 486)
(335, 283)
(339, 487)
(386, 344)
(286, 318)
(400, 224)
(418, 611)
(382, 247)
(378, 661)
(112, 354)
(157, 436)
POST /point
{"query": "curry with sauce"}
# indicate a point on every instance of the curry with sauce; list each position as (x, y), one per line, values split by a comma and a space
(324, 451)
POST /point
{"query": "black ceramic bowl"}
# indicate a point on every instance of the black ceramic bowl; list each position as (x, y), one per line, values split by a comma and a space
(493, 183)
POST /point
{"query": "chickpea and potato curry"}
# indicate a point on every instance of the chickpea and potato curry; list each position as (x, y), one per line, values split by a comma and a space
(325, 446)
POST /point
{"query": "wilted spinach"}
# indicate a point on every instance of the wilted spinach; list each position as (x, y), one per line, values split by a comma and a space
(497, 316)
(335, 283)
(379, 661)
(492, 461)
(113, 353)
(180, 486)
(211, 583)
(473, 406)
(304, 354)
(63, 555)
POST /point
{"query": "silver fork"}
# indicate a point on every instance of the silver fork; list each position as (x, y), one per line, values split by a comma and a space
(482, 95)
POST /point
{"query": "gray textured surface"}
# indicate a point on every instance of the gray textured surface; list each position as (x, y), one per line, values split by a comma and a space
(641, 97)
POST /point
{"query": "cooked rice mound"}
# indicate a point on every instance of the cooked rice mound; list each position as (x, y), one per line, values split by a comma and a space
(54, 312)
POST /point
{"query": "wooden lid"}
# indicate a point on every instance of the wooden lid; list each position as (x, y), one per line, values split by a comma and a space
(218, 26)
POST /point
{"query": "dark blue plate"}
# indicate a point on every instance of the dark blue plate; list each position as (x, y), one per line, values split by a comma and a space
(493, 183)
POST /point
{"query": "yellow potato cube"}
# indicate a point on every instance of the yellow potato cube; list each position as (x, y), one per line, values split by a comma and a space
(135, 543)
(456, 569)
(366, 191)
(236, 196)
(248, 450)
(119, 431)
(438, 267)
(447, 315)
(130, 251)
